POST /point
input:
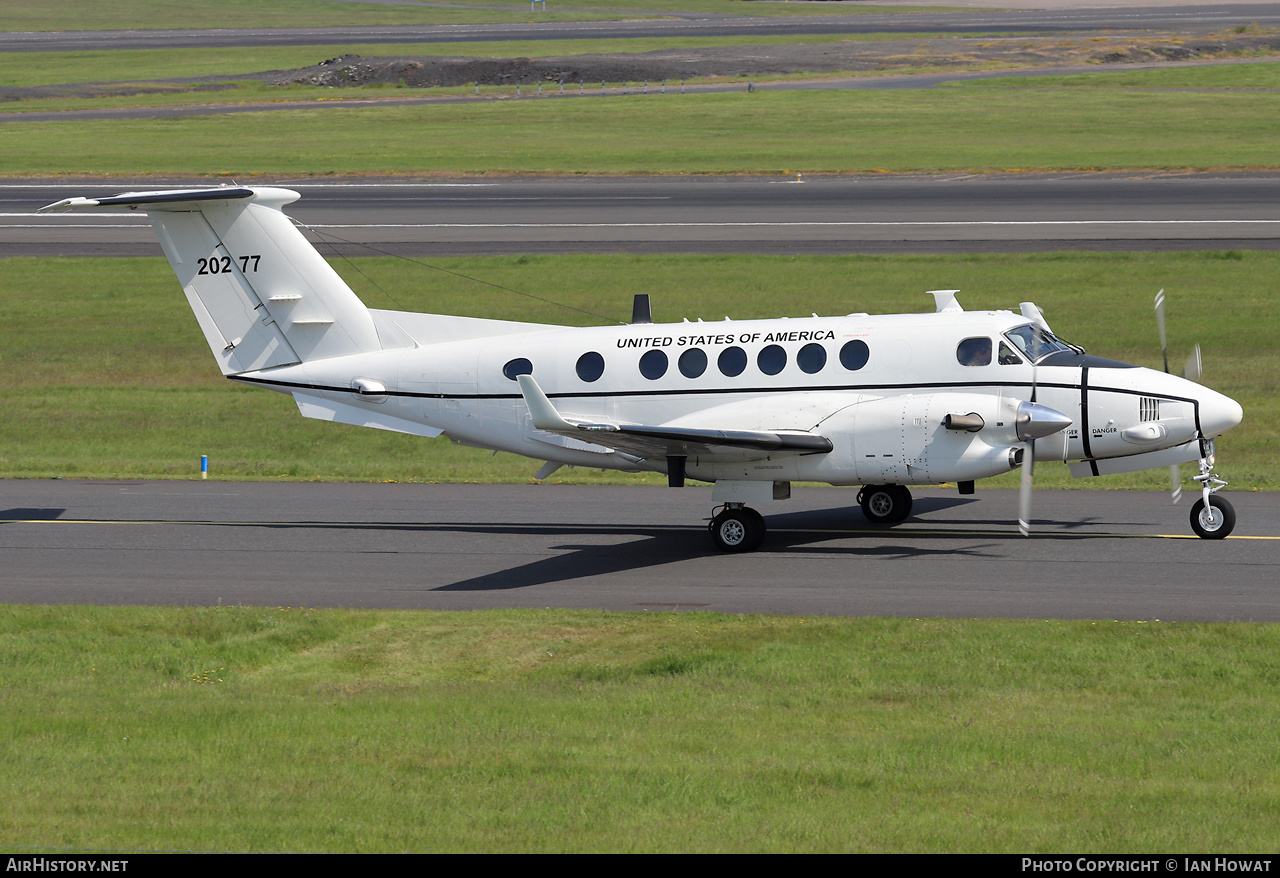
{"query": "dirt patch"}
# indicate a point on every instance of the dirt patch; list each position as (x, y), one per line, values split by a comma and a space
(763, 61)
(851, 56)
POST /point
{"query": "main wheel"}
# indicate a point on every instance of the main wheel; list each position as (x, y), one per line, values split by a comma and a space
(1224, 519)
(738, 530)
(885, 504)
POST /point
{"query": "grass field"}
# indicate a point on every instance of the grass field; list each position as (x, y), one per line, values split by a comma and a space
(108, 376)
(115, 65)
(288, 729)
(1253, 75)
(98, 74)
(810, 131)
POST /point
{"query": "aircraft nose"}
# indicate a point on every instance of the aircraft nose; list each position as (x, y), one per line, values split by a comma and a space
(1218, 413)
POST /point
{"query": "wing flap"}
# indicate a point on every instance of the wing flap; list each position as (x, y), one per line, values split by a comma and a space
(663, 441)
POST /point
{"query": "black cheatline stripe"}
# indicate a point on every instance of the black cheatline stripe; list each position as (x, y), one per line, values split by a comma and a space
(712, 391)
(704, 391)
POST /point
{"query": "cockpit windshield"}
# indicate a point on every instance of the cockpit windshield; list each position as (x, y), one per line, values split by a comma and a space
(1036, 343)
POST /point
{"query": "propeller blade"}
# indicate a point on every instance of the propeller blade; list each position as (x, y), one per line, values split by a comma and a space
(1194, 368)
(1024, 490)
(1192, 371)
(1028, 472)
(1164, 341)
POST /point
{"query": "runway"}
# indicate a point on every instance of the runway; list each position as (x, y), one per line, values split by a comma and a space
(1157, 16)
(1094, 554)
(818, 215)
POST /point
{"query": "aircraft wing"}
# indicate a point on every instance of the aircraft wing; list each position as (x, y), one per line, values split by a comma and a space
(652, 442)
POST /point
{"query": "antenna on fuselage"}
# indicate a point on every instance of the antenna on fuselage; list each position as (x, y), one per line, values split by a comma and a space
(945, 300)
(640, 312)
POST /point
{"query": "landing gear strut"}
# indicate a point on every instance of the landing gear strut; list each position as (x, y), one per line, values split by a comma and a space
(737, 528)
(885, 504)
(1212, 518)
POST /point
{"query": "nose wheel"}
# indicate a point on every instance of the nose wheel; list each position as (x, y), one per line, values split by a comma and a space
(1212, 520)
(737, 528)
(1212, 517)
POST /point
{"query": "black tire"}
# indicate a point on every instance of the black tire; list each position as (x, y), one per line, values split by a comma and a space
(885, 504)
(738, 530)
(1224, 519)
(760, 529)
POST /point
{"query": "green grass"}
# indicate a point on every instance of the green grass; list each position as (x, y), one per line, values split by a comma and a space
(115, 65)
(107, 374)
(55, 15)
(102, 75)
(811, 131)
(1254, 75)
(290, 729)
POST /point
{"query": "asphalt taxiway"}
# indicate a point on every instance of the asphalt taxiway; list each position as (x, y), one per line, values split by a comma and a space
(731, 214)
(1099, 17)
(1094, 554)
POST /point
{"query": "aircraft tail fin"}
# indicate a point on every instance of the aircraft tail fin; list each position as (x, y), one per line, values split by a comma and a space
(262, 294)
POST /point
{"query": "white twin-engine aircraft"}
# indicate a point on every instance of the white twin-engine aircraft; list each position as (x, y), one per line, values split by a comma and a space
(879, 401)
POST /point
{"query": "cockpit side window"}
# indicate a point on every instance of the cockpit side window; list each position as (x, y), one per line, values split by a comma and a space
(1007, 356)
(974, 352)
(1034, 342)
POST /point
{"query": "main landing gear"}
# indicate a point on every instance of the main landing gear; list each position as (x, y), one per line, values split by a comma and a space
(737, 528)
(885, 504)
(1212, 518)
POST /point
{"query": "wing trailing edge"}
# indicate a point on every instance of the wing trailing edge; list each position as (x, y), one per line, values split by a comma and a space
(656, 441)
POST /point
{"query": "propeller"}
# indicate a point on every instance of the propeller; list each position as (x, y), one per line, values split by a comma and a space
(1191, 371)
(1028, 473)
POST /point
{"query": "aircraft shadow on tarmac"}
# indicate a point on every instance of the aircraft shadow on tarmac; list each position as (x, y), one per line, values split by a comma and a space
(21, 513)
(838, 530)
(805, 532)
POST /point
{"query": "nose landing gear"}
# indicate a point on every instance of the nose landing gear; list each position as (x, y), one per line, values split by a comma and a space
(1212, 518)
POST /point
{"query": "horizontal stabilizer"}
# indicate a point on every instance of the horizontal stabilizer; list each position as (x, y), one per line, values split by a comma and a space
(174, 199)
(327, 410)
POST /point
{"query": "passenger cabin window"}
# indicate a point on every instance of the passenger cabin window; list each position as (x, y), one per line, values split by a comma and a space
(812, 358)
(653, 365)
(732, 361)
(693, 362)
(854, 355)
(974, 352)
(518, 366)
(772, 359)
(590, 366)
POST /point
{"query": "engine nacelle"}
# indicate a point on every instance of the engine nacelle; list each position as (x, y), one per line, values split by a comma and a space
(936, 437)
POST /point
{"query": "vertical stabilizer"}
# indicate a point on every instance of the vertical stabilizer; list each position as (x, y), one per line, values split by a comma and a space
(262, 294)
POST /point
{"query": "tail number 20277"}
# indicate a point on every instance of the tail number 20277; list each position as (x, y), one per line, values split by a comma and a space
(222, 264)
